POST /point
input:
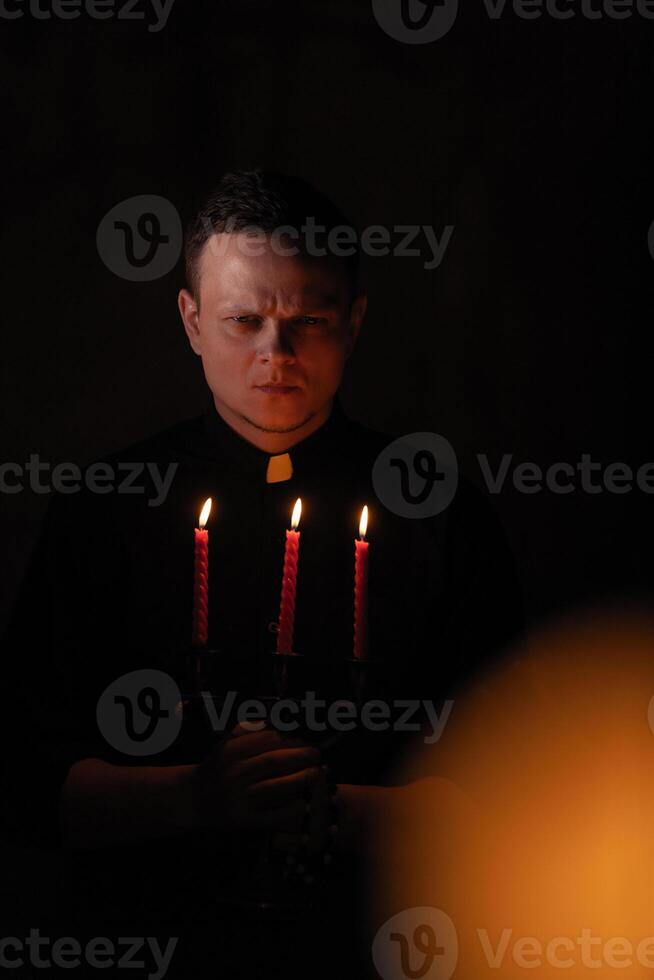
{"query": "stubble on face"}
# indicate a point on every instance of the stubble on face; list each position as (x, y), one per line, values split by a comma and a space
(276, 429)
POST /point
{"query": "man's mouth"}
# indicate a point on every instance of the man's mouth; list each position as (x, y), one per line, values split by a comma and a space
(277, 389)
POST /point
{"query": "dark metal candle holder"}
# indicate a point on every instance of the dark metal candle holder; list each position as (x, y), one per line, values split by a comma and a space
(212, 674)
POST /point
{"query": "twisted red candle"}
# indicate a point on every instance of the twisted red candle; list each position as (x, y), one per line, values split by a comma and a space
(289, 585)
(201, 588)
(201, 581)
(361, 591)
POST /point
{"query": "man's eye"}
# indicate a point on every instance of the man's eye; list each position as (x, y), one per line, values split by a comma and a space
(309, 321)
(242, 319)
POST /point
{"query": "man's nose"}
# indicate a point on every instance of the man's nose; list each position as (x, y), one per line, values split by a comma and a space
(275, 343)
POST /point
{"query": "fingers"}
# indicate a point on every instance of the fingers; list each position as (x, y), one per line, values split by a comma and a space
(244, 744)
(274, 793)
(270, 765)
(247, 745)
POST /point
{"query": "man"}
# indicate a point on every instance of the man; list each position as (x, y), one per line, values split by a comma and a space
(109, 590)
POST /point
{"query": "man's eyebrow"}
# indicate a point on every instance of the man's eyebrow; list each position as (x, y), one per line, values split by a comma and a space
(237, 305)
(318, 303)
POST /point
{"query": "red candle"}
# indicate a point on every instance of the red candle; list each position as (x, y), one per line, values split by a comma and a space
(289, 584)
(361, 590)
(201, 580)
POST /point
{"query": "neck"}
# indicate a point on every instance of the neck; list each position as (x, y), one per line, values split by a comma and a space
(272, 443)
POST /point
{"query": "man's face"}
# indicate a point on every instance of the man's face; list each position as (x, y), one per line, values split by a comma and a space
(273, 330)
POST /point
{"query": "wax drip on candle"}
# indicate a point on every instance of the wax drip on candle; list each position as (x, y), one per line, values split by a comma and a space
(289, 584)
(201, 580)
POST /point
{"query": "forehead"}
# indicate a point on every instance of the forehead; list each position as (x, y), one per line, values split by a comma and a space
(236, 265)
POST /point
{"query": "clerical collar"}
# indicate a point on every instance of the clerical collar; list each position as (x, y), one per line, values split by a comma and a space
(266, 467)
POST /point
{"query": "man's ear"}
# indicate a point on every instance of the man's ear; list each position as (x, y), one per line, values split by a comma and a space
(357, 313)
(190, 313)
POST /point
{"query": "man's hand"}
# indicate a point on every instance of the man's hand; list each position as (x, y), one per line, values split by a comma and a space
(252, 781)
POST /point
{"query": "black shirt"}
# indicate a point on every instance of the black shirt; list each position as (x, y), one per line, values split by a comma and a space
(109, 591)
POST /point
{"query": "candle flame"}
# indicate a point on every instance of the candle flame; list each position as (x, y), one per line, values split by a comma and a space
(204, 513)
(363, 523)
(297, 511)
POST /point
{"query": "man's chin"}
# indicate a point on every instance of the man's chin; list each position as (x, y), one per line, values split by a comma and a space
(272, 414)
(279, 421)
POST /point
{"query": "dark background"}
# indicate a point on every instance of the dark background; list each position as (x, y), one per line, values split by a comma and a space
(532, 138)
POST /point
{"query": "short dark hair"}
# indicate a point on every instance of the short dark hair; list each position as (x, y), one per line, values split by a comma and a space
(267, 201)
